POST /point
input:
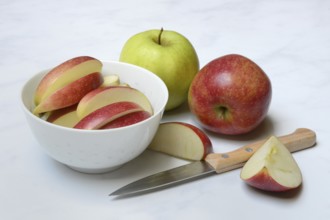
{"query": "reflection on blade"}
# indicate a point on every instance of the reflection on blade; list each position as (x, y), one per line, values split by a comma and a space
(166, 178)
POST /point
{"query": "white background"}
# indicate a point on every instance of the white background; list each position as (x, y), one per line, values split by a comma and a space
(289, 39)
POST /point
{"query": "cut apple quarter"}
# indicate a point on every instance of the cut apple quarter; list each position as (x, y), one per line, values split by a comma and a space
(106, 114)
(103, 96)
(272, 168)
(181, 140)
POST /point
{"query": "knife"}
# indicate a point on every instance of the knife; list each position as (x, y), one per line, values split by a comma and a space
(300, 139)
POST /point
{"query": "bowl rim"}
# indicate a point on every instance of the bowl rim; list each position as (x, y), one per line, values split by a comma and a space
(40, 120)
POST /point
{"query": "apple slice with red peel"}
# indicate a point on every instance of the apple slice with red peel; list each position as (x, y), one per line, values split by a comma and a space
(64, 74)
(66, 117)
(272, 168)
(181, 140)
(103, 96)
(106, 114)
(127, 120)
(70, 94)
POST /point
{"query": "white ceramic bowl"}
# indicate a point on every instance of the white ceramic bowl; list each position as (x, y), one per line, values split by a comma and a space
(98, 151)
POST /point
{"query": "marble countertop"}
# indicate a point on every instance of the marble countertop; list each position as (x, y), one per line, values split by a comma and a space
(290, 40)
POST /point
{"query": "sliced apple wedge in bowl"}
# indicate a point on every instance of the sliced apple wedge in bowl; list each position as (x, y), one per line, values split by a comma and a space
(103, 96)
(107, 114)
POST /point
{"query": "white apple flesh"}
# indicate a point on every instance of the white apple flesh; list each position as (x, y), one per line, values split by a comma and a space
(181, 140)
(111, 80)
(272, 168)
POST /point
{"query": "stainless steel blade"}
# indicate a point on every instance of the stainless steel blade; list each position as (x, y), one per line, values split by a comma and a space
(165, 178)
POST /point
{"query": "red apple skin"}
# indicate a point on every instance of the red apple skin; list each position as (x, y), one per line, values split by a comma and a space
(230, 95)
(106, 114)
(264, 181)
(70, 94)
(127, 120)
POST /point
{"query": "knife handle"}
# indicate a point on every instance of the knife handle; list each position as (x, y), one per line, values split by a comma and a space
(300, 139)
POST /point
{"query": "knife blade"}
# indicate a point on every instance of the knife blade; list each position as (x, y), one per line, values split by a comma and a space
(300, 139)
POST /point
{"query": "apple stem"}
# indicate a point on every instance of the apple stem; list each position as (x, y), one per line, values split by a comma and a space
(160, 35)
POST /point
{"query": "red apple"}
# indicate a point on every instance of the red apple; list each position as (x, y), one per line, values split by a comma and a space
(272, 168)
(128, 119)
(106, 114)
(66, 117)
(181, 140)
(70, 94)
(230, 95)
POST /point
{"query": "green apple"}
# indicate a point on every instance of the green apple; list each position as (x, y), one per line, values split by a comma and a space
(169, 55)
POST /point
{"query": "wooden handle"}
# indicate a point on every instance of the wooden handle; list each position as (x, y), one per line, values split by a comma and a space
(301, 139)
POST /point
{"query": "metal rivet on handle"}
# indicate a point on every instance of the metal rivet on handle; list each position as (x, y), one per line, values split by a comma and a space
(224, 155)
(248, 149)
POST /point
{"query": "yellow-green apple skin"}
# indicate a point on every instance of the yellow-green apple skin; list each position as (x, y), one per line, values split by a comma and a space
(230, 95)
(169, 55)
(272, 168)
